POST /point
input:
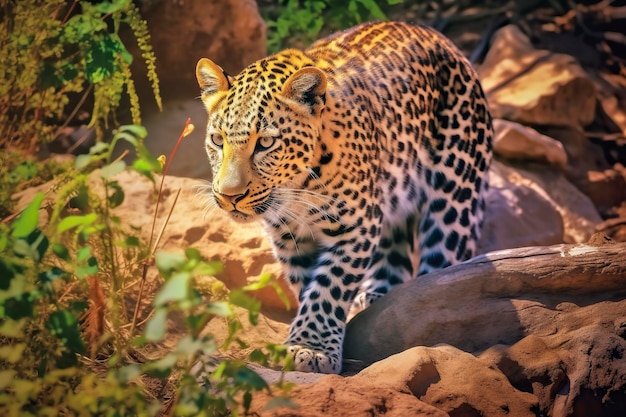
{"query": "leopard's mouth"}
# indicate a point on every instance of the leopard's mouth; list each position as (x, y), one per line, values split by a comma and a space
(245, 211)
(240, 217)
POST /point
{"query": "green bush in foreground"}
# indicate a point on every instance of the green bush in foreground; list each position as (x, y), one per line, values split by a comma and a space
(69, 344)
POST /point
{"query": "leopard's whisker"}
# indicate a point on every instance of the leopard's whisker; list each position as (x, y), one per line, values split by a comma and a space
(275, 211)
(294, 217)
(204, 194)
(290, 195)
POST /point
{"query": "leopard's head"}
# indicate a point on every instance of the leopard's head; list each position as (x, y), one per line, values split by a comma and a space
(263, 127)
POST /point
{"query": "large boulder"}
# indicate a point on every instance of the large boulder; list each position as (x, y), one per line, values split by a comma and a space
(518, 142)
(548, 321)
(432, 375)
(335, 396)
(230, 32)
(534, 205)
(535, 87)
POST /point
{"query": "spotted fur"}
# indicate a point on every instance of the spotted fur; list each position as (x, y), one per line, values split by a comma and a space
(365, 156)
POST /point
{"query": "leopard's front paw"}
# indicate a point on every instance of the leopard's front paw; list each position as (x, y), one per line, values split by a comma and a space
(308, 360)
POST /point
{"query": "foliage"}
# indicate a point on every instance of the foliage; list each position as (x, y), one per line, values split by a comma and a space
(54, 51)
(304, 19)
(70, 342)
(23, 171)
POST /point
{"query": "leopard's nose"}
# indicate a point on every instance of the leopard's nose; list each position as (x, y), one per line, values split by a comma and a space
(230, 197)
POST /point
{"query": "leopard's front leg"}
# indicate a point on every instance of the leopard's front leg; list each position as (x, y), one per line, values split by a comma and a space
(316, 335)
(327, 281)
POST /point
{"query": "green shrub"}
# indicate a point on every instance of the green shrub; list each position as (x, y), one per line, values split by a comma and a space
(73, 341)
(69, 343)
(55, 54)
(303, 20)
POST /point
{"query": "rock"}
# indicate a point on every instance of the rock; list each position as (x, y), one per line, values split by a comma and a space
(606, 189)
(272, 376)
(534, 206)
(495, 298)
(517, 142)
(230, 32)
(578, 369)
(535, 87)
(582, 154)
(550, 319)
(335, 396)
(432, 375)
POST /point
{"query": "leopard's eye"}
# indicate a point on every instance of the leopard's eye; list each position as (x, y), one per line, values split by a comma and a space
(265, 142)
(216, 140)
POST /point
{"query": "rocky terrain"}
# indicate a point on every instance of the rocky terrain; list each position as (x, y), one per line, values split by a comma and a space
(517, 331)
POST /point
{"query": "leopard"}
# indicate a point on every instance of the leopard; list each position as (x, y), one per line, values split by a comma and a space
(366, 159)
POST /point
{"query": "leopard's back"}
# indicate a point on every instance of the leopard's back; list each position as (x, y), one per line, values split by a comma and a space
(420, 123)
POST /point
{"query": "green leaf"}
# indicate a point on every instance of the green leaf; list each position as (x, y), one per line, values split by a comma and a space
(137, 131)
(12, 353)
(208, 268)
(196, 322)
(156, 326)
(27, 221)
(247, 401)
(82, 161)
(83, 253)
(91, 268)
(130, 241)
(189, 346)
(34, 246)
(19, 307)
(80, 26)
(128, 373)
(113, 169)
(99, 148)
(240, 298)
(146, 167)
(247, 377)
(261, 283)
(193, 253)
(65, 327)
(168, 262)
(61, 251)
(81, 200)
(73, 221)
(23, 172)
(373, 9)
(176, 288)
(107, 7)
(101, 58)
(6, 378)
(161, 368)
(6, 274)
(4, 237)
(219, 308)
(117, 197)
(257, 356)
(12, 328)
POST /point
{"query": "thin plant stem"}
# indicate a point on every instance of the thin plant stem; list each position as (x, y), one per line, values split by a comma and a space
(186, 130)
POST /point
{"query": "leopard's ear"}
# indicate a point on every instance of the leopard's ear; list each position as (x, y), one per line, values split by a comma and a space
(211, 78)
(308, 87)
